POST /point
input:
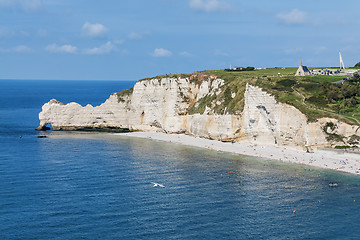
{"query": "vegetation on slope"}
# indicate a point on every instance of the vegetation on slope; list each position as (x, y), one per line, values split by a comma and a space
(230, 100)
(315, 96)
(120, 95)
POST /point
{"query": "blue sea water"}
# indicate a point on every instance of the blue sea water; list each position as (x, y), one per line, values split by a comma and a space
(74, 185)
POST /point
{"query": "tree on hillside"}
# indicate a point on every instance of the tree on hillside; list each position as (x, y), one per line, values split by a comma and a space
(355, 78)
(357, 65)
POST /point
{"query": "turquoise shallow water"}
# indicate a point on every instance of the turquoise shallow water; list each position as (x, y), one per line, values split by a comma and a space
(98, 186)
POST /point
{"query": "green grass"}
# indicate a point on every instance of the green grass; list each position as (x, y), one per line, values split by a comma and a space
(120, 95)
(269, 72)
(176, 75)
(342, 147)
(279, 82)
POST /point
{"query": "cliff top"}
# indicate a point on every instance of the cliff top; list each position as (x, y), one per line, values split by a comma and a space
(315, 95)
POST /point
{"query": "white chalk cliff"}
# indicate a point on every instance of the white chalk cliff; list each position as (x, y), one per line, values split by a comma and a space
(164, 105)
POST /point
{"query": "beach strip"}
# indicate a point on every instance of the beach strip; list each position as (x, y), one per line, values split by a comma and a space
(338, 160)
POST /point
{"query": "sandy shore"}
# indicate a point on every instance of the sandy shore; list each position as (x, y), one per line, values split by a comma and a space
(323, 158)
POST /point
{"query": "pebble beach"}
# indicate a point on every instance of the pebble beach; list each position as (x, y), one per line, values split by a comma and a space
(338, 160)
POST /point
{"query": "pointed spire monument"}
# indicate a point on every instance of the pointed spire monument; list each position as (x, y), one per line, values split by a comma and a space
(342, 66)
(302, 70)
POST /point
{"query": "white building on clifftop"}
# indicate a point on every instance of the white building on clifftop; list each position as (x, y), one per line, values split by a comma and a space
(302, 70)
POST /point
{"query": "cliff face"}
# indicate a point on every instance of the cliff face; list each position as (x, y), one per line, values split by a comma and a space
(166, 105)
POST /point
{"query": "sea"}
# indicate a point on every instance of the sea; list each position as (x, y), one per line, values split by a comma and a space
(86, 185)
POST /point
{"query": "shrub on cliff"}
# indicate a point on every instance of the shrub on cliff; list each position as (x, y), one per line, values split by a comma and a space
(240, 69)
(355, 78)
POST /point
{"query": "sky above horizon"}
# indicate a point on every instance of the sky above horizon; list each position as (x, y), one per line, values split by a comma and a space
(130, 40)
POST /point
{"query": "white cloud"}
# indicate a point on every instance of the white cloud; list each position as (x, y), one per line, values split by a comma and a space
(106, 48)
(24, 5)
(185, 54)
(94, 30)
(22, 49)
(134, 35)
(161, 52)
(296, 16)
(54, 48)
(209, 5)
(17, 49)
(137, 35)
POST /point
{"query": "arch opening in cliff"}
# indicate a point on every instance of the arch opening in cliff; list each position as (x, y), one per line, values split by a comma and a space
(45, 127)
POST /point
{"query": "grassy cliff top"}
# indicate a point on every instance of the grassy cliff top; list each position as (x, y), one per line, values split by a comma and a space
(315, 95)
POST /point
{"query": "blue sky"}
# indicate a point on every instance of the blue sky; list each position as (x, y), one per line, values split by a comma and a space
(133, 39)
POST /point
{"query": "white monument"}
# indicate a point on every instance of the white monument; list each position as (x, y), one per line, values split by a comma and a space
(302, 70)
(342, 66)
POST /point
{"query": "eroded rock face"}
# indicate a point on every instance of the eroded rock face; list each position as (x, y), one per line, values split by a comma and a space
(163, 105)
(265, 120)
(73, 116)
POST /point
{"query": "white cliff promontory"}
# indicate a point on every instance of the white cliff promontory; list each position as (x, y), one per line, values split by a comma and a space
(167, 105)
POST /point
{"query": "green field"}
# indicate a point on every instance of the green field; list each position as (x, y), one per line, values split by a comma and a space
(268, 72)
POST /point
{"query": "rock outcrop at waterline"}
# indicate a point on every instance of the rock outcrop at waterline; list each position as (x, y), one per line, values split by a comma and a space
(194, 105)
